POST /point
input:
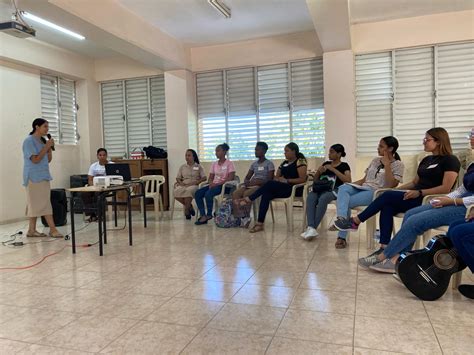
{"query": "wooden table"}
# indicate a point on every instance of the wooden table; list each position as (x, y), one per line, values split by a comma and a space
(102, 195)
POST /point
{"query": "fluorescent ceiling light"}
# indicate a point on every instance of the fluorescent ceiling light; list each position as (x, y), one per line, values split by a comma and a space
(223, 9)
(52, 25)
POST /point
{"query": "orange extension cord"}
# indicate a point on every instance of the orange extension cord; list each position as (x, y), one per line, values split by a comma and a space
(44, 258)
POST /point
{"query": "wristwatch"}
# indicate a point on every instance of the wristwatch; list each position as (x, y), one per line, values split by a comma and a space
(421, 193)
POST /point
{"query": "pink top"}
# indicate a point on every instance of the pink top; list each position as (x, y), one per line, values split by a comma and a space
(221, 172)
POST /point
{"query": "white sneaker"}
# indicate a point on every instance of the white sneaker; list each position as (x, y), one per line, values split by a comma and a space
(309, 233)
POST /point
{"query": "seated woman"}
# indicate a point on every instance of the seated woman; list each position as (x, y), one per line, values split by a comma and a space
(96, 169)
(440, 212)
(190, 175)
(462, 235)
(436, 174)
(291, 172)
(261, 171)
(222, 170)
(384, 171)
(317, 202)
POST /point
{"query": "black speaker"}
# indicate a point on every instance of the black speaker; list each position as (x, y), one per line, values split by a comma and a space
(78, 181)
(59, 204)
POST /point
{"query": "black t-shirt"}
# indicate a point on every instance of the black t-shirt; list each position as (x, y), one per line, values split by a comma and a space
(432, 168)
(342, 168)
(290, 170)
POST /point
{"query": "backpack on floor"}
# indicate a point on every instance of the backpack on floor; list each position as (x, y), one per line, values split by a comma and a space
(224, 217)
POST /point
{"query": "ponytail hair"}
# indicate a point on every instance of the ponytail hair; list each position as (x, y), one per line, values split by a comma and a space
(339, 148)
(37, 122)
(294, 147)
(392, 142)
(224, 146)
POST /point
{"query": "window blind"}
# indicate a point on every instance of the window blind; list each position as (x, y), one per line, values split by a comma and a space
(456, 91)
(158, 111)
(68, 112)
(242, 118)
(211, 112)
(49, 103)
(273, 107)
(433, 86)
(113, 118)
(414, 97)
(138, 114)
(307, 98)
(374, 95)
(134, 114)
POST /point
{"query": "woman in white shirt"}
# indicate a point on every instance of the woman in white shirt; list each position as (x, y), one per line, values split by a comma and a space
(96, 169)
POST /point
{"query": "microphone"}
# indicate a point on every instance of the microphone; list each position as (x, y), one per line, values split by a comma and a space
(49, 137)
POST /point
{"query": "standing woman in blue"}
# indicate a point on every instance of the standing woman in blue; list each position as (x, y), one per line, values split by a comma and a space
(37, 154)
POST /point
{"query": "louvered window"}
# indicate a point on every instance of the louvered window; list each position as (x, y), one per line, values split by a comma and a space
(414, 97)
(58, 106)
(456, 91)
(275, 104)
(211, 112)
(405, 92)
(307, 98)
(373, 100)
(133, 115)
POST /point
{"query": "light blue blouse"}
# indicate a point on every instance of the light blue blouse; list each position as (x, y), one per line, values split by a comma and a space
(31, 171)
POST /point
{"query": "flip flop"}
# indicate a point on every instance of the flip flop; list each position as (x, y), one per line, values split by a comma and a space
(36, 235)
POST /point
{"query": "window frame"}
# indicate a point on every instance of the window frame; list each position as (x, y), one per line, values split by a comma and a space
(435, 94)
(150, 107)
(257, 106)
(58, 136)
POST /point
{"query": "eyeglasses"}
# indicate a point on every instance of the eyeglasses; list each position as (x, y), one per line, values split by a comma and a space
(428, 140)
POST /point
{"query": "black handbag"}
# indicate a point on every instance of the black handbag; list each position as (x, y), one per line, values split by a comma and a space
(155, 153)
(323, 185)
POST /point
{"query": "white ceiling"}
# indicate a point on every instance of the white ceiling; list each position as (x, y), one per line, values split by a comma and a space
(46, 34)
(195, 22)
(362, 11)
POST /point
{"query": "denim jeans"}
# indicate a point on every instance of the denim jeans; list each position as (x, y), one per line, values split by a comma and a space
(316, 206)
(389, 204)
(462, 236)
(349, 197)
(205, 193)
(417, 221)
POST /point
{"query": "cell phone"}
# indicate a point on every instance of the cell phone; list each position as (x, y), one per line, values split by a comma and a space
(434, 202)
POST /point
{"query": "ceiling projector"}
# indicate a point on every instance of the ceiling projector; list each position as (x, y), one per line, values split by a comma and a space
(17, 29)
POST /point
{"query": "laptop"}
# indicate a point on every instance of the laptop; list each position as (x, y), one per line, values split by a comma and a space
(119, 169)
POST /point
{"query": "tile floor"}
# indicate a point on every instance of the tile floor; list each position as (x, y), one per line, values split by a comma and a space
(199, 290)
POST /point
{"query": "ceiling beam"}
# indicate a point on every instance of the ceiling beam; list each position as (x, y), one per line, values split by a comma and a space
(108, 24)
(332, 23)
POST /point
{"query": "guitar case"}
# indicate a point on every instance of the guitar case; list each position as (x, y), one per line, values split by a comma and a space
(427, 272)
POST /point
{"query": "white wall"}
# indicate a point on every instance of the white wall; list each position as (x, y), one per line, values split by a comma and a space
(413, 31)
(121, 68)
(180, 110)
(339, 103)
(21, 62)
(262, 51)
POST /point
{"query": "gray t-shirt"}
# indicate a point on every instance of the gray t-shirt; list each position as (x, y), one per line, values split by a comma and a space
(376, 173)
(260, 170)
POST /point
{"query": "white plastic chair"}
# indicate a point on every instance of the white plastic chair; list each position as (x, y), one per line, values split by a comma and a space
(173, 201)
(289, 202)
(152, 190)
(370, 225)
(219, 198)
